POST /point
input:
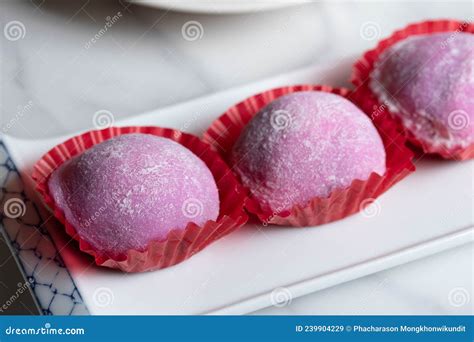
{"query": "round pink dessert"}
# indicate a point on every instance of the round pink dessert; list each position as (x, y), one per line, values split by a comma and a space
(428, 82)
(305, 145)
(133, 189)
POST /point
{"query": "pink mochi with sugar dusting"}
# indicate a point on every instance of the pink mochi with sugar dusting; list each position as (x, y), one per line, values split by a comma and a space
(132, 189)
(306, 145)
(428, 82)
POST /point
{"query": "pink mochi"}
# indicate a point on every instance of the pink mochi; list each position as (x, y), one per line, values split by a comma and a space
(132, 189)
(428, 82)
(306, 145)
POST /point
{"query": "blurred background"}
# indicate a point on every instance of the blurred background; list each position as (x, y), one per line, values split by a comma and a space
(63, 61)
(74, 58)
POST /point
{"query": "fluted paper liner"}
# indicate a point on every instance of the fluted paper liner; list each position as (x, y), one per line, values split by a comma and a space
(179, 244)
(223, 133)
(368, 100)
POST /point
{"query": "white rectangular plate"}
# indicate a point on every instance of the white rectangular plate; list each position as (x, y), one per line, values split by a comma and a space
(426, 213)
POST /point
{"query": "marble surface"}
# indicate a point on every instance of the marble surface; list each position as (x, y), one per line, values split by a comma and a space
(64, 62)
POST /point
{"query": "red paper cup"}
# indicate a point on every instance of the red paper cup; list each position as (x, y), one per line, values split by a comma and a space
(368, 101)
(223, 133)
(179, 244)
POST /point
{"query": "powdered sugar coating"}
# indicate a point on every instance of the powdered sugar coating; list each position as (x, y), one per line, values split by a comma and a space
(305, 145)
(428, 81)
(127, 191)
